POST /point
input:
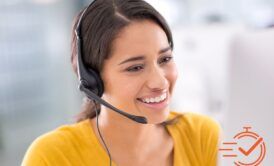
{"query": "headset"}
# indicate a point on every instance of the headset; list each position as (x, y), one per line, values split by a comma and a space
(90, 81)
(92, 85)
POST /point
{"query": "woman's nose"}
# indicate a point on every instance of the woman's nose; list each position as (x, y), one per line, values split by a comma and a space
(156, 79)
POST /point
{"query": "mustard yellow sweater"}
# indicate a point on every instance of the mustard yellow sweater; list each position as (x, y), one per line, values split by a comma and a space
(195, 139)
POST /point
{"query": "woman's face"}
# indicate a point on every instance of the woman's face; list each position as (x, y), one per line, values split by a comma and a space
(140, 74)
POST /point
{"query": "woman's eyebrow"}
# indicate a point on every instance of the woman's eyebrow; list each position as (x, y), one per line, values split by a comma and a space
(136, 58)
(141, 57)
(164, 50)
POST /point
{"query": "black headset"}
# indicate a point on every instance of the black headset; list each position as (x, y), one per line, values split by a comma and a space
(90, 81)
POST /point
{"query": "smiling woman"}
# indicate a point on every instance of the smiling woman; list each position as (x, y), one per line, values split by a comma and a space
(147, 77)
(128, 46)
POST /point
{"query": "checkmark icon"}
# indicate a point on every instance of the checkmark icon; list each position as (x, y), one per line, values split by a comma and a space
(251, 149)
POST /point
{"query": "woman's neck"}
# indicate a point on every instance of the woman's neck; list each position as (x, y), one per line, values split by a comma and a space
(121, 132)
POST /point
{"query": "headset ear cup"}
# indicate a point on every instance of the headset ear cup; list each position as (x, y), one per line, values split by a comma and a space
(95, 82)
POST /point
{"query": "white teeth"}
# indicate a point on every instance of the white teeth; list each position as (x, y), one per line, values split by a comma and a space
(156, 99)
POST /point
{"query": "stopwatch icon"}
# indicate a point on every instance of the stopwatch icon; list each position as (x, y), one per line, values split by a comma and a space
(251, 155)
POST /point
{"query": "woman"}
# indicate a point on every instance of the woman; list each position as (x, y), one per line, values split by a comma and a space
(129, 45)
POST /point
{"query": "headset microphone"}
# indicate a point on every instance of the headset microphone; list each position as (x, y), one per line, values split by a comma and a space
(90, 81)
(93, 96)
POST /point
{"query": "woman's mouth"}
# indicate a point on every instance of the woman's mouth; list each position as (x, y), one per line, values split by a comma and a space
(159, 102)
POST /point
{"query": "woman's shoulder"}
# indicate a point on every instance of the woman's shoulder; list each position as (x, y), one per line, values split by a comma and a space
(197, 137)
(63, 134)
(62, 140)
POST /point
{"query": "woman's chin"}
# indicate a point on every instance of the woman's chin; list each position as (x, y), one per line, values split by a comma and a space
(157, 118)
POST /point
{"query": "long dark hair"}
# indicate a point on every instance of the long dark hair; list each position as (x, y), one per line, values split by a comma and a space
(101, 24)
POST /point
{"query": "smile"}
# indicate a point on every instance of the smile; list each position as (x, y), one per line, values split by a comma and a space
(155, 103)
(155, 99)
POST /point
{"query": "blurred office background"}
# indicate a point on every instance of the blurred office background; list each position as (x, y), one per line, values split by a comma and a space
(223, 49)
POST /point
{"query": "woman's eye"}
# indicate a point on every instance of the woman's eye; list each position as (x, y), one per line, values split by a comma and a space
(134, 68)
(166, 59)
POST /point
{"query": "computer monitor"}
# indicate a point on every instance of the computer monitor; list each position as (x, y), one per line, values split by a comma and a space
(250, 99)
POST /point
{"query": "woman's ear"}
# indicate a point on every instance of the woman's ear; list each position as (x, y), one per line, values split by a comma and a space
(74, 63)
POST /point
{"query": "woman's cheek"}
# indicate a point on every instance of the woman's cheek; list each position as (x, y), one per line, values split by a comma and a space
(172, 75)
(127, 89)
